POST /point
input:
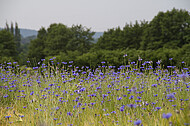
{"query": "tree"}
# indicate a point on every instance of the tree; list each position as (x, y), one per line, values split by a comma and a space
(17, 37)
(7, 26)
(132, 35)
(110, 40)
(58, 36)
(81, 39)
(37, 46)
(7, 45)
(12, 28)
(167, 29)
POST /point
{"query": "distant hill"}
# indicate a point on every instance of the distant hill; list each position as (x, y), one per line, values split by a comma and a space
(98, 35)
(25, 33)
(28, 32)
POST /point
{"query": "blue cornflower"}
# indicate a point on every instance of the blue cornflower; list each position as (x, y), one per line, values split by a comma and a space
(186, 124)
(138, 122)
(183, 76)
(155, 95)
(137, 100)
(132, 105)
(7, 117)
(124, 55)
(138, 97)
(154, 85)
(69, 113)
(64, 62)
(170, 96)
(113, 112)
(6, 96)
(119, 98)
(9, 63)
(32, 93)
(158, 108)
(55, 118)
(34, 68)
(131, 97)
(167, 116)
(107, 114)
(122, 109)
(103, 62)
(21, 116)
(70, 61)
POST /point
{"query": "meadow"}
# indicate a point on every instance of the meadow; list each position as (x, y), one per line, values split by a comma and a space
(62, 94)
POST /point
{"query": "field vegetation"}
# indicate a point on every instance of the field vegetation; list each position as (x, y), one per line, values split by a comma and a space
(62, 94)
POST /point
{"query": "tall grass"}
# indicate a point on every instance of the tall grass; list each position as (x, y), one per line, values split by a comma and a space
(134, 94)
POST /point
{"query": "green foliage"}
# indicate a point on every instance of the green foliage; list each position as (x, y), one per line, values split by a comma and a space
(36, 47)
(81, 39)
(7, 45)
(169, 29)
(61, 41)
(130, 37)
(184, 53)
(110, 40)
(11, 42)
(58, 36)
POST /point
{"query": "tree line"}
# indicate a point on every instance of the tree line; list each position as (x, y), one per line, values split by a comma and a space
(166, 36)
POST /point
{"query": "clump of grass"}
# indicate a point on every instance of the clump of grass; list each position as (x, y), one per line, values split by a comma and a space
(133, 94)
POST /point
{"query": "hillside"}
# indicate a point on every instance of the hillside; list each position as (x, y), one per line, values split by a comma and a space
(98, 35)
(29, 32)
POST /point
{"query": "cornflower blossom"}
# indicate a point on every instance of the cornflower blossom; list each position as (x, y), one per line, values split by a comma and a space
(7, 117)
(158, 108)
(132, 105)
(167, 116)
(170, 96)
(125, 55)
(183, 76)
(138, 122)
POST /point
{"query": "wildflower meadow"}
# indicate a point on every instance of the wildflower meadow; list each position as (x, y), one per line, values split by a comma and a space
(54, 93)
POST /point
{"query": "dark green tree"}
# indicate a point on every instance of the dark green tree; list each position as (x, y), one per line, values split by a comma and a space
(12, 28)
(7, 45)
(110, 40)
(81, 39)
(167, 30)
(132, 34)
(7, 27)
(58, 36)
(37, 46)
(17, 37)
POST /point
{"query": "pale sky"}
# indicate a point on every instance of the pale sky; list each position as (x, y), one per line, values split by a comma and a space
(99, 15)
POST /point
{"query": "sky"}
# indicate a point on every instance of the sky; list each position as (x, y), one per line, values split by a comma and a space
(99, 15)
